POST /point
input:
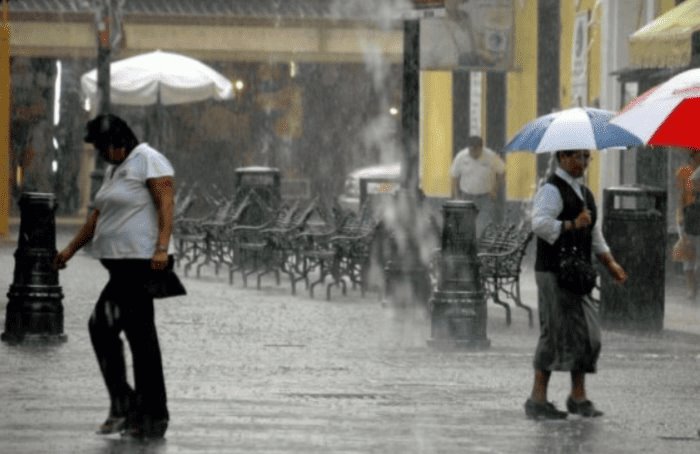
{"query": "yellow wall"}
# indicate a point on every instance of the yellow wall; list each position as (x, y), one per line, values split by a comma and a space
(521, 170)
(664, 5)
(436, 115)
(521, 104)
(568, 14)
(436, 132)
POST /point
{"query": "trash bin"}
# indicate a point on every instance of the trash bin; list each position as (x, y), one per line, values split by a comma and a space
(634, 226)
(264, 180)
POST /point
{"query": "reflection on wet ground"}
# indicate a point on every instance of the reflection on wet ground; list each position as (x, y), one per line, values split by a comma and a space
(262, 371)
(118, 445)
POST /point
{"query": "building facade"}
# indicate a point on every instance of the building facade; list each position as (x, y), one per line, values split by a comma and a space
(318, 86)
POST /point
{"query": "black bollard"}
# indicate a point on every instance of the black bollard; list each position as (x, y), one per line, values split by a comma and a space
(458, 306)
(34, 310)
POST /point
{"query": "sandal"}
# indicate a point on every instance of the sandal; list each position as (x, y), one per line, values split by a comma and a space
(118, 415)
(112, 425)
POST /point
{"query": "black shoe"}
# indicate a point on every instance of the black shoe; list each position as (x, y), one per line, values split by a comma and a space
(585, 408)
(543, 410)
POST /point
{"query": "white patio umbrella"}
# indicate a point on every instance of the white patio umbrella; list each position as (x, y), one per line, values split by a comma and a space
(162, 78)
(159, 77)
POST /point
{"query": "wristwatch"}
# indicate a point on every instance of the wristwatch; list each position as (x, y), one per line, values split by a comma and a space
(161, 248)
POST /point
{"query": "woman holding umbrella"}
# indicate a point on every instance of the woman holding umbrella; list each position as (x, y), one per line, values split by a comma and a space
(564, 213)
(564, 220)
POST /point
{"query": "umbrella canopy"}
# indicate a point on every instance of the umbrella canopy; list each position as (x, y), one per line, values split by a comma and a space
(159, 77)
(579, 128)
(666, 114)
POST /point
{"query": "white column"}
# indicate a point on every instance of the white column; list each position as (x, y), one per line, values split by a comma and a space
(650, 10)
(611, 40)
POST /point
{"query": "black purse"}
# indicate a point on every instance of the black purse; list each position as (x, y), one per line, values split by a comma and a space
(164, 283)
(576, 274)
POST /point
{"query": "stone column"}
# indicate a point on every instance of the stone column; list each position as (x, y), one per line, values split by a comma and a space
(35, 310)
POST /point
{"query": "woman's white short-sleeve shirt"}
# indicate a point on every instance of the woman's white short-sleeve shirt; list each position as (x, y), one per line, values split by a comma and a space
(127, 226)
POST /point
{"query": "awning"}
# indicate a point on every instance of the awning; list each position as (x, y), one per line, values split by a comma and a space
(666, 41)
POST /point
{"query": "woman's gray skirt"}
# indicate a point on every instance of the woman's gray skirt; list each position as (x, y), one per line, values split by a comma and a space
(569, 328)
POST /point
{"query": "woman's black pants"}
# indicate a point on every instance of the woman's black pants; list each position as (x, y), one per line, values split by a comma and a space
(124, 305)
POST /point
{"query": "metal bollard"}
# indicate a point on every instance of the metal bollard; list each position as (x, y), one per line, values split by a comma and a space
(458, 306)
(34, 311)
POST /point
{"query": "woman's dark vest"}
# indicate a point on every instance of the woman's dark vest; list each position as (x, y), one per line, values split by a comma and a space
(548, 254)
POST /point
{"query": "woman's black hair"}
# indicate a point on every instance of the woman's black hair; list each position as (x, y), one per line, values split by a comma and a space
(109, 129)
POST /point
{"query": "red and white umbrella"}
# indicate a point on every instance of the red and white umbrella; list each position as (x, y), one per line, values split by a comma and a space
(666, 115)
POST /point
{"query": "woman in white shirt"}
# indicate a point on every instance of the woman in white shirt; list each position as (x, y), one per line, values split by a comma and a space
(130, 229)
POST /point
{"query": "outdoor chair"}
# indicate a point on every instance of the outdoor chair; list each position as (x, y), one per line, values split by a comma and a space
(501, 249)
(190, 236)
(346, 254)
(251, 244)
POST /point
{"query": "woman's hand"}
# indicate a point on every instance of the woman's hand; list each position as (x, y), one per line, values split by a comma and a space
(61, 259)
(617, 272)
(615, 269)
(583, 219)
(159, 261)
(81, 238)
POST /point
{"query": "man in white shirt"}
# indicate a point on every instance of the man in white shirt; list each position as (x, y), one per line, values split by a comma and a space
(478, 175)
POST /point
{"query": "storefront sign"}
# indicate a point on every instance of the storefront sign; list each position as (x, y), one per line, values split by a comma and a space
(475, 35)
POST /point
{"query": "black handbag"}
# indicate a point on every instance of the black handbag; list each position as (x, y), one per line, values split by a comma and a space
(165, 283)
(691, 219)
(576, 274)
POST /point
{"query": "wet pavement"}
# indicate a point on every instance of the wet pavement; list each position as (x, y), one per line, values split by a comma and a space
(263, 371)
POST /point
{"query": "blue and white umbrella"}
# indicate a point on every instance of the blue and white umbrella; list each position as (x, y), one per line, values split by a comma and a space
(579, 128)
